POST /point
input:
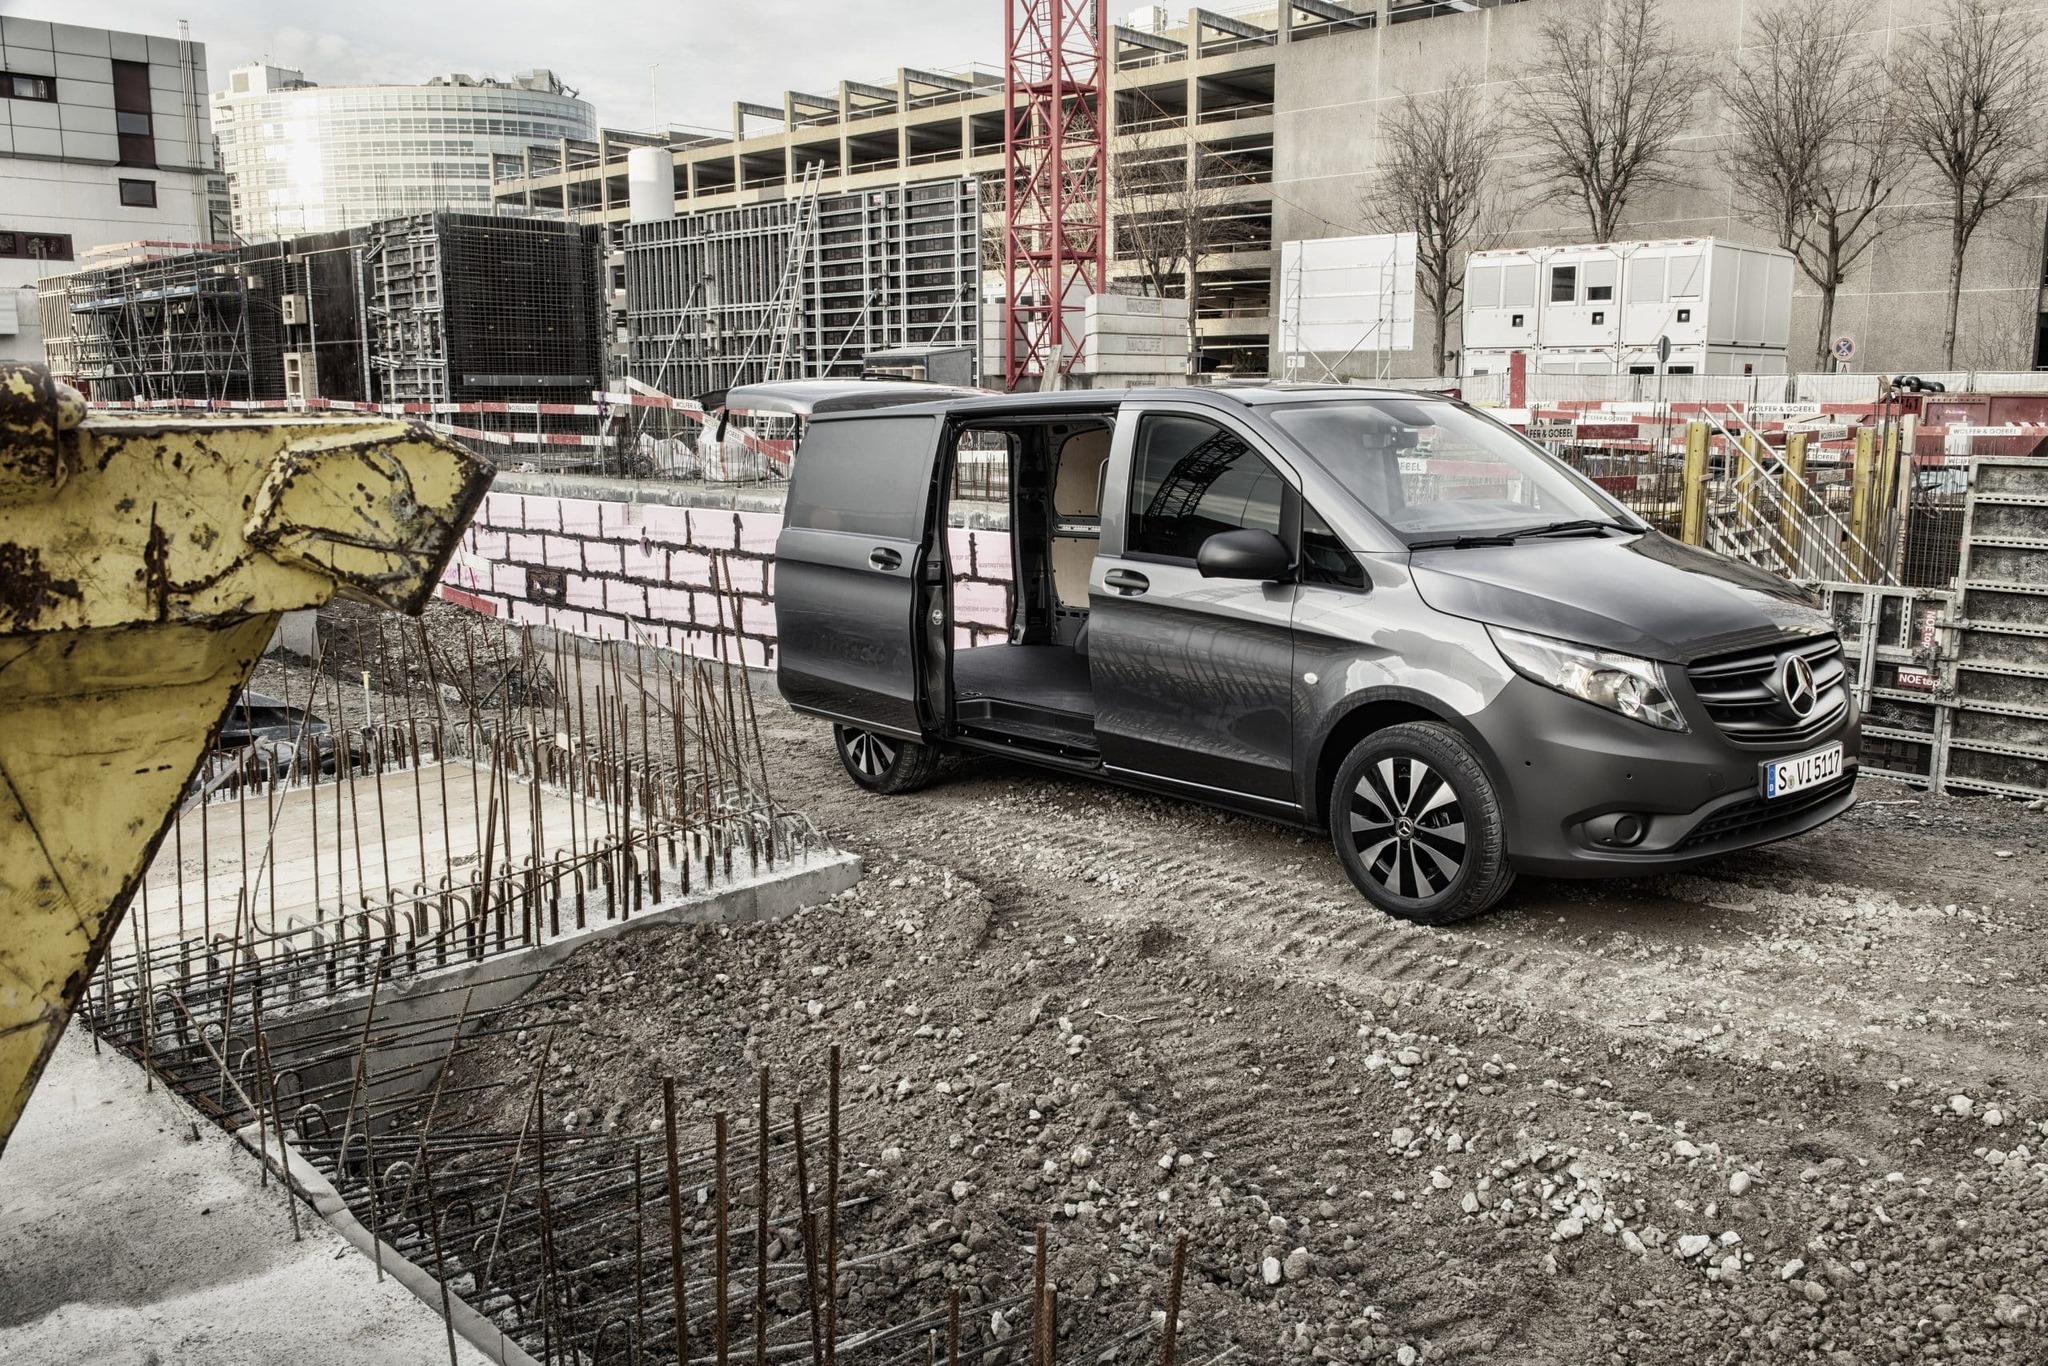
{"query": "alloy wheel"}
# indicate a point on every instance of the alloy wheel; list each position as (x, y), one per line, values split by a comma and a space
(871, 754)
(1408, 827)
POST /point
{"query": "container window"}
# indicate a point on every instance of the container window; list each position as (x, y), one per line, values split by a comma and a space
(1600, 281)
(1646, 280)
(1687, 274)
(1564, 284)
(1482, 286)
(1518, 286)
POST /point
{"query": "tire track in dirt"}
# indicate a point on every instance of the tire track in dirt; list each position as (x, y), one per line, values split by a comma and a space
(1244, 890)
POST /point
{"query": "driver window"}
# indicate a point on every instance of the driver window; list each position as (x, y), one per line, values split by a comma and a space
(1192, 479)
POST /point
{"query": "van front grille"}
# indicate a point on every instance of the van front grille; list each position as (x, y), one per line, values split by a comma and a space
(1745, 695)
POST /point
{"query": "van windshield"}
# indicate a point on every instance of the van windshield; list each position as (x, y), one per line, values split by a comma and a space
(1435, 470)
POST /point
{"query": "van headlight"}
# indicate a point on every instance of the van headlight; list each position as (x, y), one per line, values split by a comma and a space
(1620, 683)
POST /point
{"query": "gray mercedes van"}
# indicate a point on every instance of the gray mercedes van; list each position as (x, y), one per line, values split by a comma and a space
(1377, 613)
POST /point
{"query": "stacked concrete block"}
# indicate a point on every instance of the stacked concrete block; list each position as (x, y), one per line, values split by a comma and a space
(1134, 339)
(695, 580)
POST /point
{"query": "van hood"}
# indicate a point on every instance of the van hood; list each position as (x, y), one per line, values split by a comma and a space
(1645, 595)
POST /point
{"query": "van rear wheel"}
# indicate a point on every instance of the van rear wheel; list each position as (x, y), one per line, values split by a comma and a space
(885, 763)
(1418, 825)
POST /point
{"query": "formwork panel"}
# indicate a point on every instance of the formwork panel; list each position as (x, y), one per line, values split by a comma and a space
(804, 287)
(2001, 647)
(2010, 521)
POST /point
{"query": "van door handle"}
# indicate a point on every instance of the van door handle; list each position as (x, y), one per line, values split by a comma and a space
(1128, 582)
(884, 558)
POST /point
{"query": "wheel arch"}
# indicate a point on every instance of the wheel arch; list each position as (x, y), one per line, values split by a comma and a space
(1371, 712)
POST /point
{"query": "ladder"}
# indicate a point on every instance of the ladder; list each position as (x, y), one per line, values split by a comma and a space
(780, 339)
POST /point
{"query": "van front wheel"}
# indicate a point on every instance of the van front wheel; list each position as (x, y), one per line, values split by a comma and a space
(884, 763)
(1418, 826)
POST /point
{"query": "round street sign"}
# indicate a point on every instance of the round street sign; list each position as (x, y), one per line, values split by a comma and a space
(1845, 348)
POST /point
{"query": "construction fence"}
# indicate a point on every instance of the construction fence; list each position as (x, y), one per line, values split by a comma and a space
(1954, 681)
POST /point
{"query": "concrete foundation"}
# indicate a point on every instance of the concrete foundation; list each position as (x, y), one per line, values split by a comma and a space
(132, 1231)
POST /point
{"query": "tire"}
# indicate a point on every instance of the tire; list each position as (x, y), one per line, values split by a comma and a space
(883, 763)
(1418, 825)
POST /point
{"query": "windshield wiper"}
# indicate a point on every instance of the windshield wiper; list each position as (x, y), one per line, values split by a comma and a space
(1581, 524)
(1472, 540)
(1461, 542)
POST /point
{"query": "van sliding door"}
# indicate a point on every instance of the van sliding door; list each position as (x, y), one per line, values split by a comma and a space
(849, 566)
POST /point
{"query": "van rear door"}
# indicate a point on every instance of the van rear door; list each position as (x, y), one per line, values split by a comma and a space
(850, 570)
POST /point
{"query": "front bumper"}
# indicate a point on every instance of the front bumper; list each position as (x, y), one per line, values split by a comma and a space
(1565, 764)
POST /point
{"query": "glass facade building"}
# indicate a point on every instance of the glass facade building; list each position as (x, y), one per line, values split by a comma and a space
(305, 158)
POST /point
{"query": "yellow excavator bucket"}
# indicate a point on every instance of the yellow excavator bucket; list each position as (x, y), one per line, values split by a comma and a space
(144, 564)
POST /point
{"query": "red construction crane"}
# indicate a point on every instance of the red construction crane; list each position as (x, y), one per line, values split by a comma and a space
(1056, 168)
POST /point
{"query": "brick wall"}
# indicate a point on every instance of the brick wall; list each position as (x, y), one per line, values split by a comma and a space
(696, 580)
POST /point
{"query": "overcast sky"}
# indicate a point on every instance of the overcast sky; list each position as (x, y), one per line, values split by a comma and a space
(709, 52)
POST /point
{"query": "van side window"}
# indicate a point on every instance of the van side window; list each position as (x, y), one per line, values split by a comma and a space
(1324, 558)
(868, 475)
(1192, 479)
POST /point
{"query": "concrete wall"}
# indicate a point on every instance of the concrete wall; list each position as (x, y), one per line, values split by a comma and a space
(629, 567)
(1332, 93)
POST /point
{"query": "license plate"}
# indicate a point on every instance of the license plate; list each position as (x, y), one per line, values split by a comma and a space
(1783, 777)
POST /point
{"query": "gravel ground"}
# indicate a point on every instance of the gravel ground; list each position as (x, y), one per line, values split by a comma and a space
(1789, 1107)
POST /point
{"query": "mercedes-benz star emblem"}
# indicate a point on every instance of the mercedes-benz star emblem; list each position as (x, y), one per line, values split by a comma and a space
(1796, 681)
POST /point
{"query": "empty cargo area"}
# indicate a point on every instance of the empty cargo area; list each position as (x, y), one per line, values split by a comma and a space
(1035, 688)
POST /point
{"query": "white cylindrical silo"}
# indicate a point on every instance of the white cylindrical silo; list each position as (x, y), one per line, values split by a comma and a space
(651, 184)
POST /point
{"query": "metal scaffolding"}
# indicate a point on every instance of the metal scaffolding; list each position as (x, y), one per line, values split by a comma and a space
(168, 327)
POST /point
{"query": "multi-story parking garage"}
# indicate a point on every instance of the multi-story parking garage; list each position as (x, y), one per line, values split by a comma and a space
(1266, 125)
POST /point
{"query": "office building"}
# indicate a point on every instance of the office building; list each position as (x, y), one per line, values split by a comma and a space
(104, 143)
(301, 157)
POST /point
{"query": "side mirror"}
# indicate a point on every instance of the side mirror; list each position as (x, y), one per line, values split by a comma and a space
(1256, 555)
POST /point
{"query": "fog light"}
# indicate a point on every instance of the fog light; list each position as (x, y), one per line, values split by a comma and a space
(1619, 831)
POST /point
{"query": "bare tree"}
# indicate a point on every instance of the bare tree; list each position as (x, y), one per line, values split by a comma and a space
(1170, 206)
(1972, 87)
(1814, 146)
(1608, 97)
(1435, 178)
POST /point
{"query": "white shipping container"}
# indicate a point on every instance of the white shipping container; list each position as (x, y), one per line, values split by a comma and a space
(1577, 308)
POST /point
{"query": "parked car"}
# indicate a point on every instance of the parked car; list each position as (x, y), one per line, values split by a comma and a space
(278, 729)
(1381, 614)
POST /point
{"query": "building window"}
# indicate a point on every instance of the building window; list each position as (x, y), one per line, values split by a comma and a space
(28, 87)
(138, 194)
(35, 246)
(132, 119)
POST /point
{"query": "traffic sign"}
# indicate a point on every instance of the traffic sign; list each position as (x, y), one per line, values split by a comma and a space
(1844, 348)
